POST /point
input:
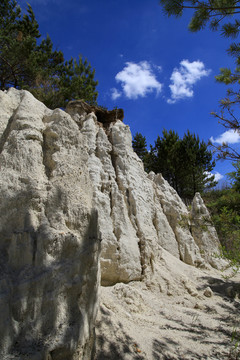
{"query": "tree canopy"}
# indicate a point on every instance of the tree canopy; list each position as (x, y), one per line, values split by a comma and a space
(139, 145)
(211, 12)
(28, 61)
(224, 206)
(234, 176)
(185, 163)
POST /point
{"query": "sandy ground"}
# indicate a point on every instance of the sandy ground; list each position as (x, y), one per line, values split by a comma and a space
(180, 313)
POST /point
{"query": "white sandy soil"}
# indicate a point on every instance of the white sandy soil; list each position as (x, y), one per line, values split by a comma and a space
(181, 313)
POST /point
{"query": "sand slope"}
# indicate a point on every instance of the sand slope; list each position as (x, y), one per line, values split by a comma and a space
(170, 317)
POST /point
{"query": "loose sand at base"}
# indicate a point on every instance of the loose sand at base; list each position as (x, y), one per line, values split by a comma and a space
(181, 313)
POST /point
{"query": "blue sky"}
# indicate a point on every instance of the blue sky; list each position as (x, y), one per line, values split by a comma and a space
(150, 65)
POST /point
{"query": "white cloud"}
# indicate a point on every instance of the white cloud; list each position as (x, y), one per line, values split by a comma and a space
(115, 93)
(217, 175)
(229, 137)
(138, 80)
(184, 77)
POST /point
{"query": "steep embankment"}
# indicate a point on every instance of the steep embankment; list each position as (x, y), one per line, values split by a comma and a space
(49, 243)
(139, 214)
(68, 182)
(184, 314)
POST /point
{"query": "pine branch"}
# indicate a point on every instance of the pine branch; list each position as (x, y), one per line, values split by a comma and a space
(12, 70)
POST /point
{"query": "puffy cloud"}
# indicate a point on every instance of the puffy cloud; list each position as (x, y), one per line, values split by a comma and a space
(115, 93)
(217, 175)
(183, 79)
(138, 80)
(229, 137)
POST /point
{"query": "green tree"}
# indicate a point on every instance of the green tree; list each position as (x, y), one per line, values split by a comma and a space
(70, 80)
(220, 15)
(18, 36)
(185, 163)
(224, 206)
(31, 64)
(197, 164)
(139, 145)
(235, 177)
(165, 158)
(212, 12)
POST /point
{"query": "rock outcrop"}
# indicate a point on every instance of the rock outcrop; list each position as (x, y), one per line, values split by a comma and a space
(203, 230)
(139, 214)
(104, 116)
(68, 181)
(49, 239)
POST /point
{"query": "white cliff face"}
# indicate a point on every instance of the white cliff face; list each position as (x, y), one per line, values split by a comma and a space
(69, 180)
(203, 231)
(48, 234)
(139, 214)
(120, 259)
(179, 219)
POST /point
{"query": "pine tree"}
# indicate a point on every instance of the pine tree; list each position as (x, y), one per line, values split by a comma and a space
(27, 63)
(18, 36)
(139, 145)
(185, 163)
(211, 12)
(235, 177)
(198, 165)
(165, 157)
